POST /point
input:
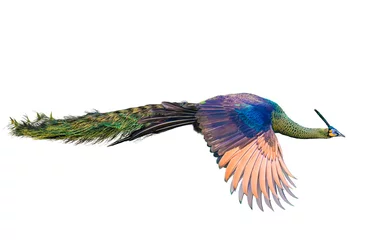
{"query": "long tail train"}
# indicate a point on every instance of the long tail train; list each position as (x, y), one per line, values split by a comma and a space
(122, 125)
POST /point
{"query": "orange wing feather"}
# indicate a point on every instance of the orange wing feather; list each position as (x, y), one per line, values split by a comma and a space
(260, 167)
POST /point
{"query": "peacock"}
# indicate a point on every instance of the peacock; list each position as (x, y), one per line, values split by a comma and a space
(240, 130)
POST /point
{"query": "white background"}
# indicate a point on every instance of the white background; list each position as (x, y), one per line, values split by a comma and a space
(71, 56)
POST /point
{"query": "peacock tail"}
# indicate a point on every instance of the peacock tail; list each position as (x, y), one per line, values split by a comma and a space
(240, 130)
(96, 127)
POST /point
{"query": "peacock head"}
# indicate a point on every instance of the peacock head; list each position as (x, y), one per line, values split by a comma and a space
(332, 132)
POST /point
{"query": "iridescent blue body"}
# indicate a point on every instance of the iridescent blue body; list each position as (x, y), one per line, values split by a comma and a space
(253, 111)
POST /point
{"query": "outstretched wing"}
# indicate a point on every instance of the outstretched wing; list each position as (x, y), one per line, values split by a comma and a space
(238, 130)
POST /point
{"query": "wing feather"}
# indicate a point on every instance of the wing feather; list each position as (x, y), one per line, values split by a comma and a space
(275, 174)
(267, 200)
(280, 173)
(232, 165)
(249, 196)
(282, 195)
(241, 166)
(259, 199)
(269, 176)
(247, 172)
(289, 191)
(284, 167)
(262, 178)
(227, 157)
(276, 200)
(255, 175)
(238, 131)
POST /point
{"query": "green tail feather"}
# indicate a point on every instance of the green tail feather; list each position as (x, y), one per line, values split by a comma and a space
(93, 127)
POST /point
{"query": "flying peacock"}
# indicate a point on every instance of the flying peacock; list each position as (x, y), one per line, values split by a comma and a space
(239, 129)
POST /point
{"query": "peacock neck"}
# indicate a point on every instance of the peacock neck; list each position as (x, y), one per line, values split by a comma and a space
(282, 124)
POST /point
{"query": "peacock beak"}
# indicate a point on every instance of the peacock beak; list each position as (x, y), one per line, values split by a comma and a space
(339, 134)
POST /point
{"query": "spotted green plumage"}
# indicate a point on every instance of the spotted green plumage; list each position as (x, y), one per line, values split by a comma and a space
(281, 123)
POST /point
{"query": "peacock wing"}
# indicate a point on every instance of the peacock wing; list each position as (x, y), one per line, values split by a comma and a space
(239, 133)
